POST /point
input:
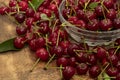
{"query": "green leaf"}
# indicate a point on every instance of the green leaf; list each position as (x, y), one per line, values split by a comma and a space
(106, 77)
(7, 46)
(35, 3)
(44, 17)
(93, 5)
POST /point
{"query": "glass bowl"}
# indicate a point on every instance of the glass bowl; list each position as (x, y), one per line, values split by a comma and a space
(92, 38)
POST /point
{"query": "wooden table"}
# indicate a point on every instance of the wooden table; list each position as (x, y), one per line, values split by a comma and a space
(15, 65)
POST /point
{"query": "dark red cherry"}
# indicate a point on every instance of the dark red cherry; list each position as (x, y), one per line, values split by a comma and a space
(12, 3)
(73, 19)
(29, 22)
(40, 42)
(3, 10)
(43, 54)
(23, 5)
(94, 71)
(108, 3)
(116, 23)
(90, 15)
(30, 12)
(82, 68)
(81, 57)
(62, 61)
(112, 71)
(72, 61)
(21, 30)
(71, 49)
(37, 16)
(99, 10)
(111, 14)
(57, 50)
(47, 12)
(92, 60)
(68, 72)
(19, 42)
(32, 45)
(80, 24)
(106, 24)
(93, 25)
(20, 17)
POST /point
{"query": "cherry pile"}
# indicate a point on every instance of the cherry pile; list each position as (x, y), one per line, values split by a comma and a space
(44, 34)
(94, 15)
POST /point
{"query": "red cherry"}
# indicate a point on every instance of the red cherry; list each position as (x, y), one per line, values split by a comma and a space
(43, 54)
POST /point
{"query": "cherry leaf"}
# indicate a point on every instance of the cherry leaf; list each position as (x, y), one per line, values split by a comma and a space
(106, 77)
(7, 46)
(44, 16)
(93, 5)
(35, 3)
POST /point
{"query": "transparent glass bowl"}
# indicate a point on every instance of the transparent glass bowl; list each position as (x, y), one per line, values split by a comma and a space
(92, 38)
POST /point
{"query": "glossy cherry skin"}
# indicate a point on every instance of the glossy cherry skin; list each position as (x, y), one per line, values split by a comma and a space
(112, 71)
(12, 3)
(43, 54)
(108, 3)
(30, 12)
(21, 30)
(20, 17)
(111, 14)
(71, 49)
(68, 72)
(82, 68)
(3, 10)
(19, 42)
(116, 23)
(62, 61)
(72, 61)
(106, 24)
(81, 57)
(94, 71)
(23, 5)
(92, 60)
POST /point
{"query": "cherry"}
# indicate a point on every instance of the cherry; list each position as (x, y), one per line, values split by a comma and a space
(37, 16)
(53, 8)
(72, 61)
(68, 72)
(62, 61)
(12, 3)
(20, 17)
(23, 5)
(19, 42)
(108, 3)
(46, 3)
(82, 68)
(118, 65)
(106, 24)
(73, 19)
(29, 36)
(57, 50)
(43, 54)
(21, 30)
(40, 9)
(32, 45)
(3, 10)
(100, 52)
(94, 71)
(111, 14)
(81, 24)
(92, 60)
(99, 10)
(90, 15)
(66, 13)
(63, 35)
(81, 57)
(118, 76)
(93, 25)
(30, 12)
(71, 49)
(47, 12)
(116, 23)
(112, 71)
(83, 46)
(64, 45)
(40, 42)
(81, 15)
(29, 22)
(113, 59)
(44, 28)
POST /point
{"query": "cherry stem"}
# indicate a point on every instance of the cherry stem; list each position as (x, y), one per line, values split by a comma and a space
(18, 9)
(86, 4)
(104, 69)
(116, 50)
(46, 66)
(83, 51)
(61, 72)
(58, 37)
(35, 64)
(54, 25)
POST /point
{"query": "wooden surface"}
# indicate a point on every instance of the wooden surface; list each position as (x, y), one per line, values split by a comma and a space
(15, 65)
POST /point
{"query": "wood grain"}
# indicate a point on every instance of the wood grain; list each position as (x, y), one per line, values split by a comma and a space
(15, 65)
